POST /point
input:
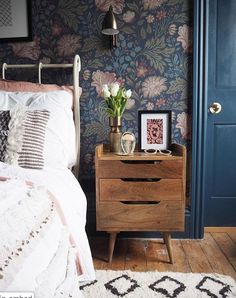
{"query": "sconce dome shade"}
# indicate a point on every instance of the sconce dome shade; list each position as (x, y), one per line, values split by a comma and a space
(109, 25)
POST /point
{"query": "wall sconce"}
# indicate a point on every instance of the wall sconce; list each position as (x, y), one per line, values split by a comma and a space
(109, 27)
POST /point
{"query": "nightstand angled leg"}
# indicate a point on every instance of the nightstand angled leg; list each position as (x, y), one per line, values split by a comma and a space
(167, 240)
(112, 240)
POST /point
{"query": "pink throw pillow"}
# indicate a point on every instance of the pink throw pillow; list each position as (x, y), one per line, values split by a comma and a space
(22, 86)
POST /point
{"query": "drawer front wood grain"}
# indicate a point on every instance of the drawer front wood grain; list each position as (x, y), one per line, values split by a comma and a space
(128, 190)
(119, 216)
(146, 169)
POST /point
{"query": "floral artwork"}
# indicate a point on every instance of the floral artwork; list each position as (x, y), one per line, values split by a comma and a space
(154, 131)
(153, 59)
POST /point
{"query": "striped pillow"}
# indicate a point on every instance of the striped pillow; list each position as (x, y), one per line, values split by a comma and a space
(25, 138)
(4, 121)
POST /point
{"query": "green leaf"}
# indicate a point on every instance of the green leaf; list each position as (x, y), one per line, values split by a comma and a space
(69, 11)
(127, 30)
(100, 130)
(128, 116)
(155, 51)
(72, 5)
(149, 29)
(178, 85)
(95, 43)
(179, 105)
(95, 63)
(90, 43)
(173, 2)
(133, 6)
(180, 18)
(143, 33)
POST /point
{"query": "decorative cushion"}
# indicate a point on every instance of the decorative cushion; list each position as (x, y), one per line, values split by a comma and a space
(60, 146)
(23, 143)
(4, 121)
(22, 86)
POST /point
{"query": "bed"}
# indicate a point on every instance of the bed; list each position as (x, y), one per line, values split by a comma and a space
(44, 247)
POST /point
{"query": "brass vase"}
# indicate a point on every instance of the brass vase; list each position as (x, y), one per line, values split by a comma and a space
(115, 134)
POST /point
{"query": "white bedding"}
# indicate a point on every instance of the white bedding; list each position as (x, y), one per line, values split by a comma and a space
(64, 186)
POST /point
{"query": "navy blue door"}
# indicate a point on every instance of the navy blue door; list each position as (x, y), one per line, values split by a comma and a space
(220, 118)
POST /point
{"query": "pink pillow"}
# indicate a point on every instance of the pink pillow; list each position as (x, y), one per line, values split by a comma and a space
(21, 86)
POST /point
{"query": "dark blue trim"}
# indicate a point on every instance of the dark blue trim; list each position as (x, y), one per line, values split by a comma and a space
(198, 112)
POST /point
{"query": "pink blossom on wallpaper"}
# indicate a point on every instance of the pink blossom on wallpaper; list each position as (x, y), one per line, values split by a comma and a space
(161, 15)
(117, 5)
(101, 78)
(153, 86)
(152, 4)
(150, 106)
(184, 38)
(150, 18)
(86, 74)
(160, 102)
(30, 50)
(68, 45)
(182, 124)
(130, 104)
(128, 16)
(141, 70)
(56, 29)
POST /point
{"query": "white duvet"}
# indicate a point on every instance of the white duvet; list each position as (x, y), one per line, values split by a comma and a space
(63, 185)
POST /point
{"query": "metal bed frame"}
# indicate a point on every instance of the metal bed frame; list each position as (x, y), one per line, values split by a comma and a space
(76, 108)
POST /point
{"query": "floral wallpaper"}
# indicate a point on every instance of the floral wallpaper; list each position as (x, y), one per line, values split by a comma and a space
(153, 59)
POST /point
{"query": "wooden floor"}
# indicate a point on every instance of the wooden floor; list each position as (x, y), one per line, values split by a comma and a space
(215, 253)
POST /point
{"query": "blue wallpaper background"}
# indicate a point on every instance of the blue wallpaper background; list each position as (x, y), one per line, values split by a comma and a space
(153, 59)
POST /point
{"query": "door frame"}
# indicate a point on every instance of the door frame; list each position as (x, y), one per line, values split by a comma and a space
(199, 118)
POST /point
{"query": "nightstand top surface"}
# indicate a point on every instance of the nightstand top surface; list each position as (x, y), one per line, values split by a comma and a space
(104, 154)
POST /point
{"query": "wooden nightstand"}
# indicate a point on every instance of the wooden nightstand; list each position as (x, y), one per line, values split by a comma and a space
(140, 193)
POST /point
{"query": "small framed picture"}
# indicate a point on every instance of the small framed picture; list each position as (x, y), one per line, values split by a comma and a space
(15, 20)
(154, 130)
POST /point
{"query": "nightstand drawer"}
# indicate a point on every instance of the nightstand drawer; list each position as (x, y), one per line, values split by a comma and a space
(140, 190)
(140, 169)
(163, 216)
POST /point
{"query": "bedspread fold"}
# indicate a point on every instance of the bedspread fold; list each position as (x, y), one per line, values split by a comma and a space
(37, 251)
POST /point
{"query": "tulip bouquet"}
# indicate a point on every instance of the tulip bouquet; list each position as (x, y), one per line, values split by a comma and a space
(116, 98)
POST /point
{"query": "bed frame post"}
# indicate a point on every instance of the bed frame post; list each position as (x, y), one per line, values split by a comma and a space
(76, 70)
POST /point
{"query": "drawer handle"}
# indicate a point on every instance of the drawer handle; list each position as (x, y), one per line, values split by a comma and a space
(140, 179)
(141, 161)
(140, 202)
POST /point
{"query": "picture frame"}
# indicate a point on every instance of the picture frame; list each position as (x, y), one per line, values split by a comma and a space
(15, 20)
(154, 130)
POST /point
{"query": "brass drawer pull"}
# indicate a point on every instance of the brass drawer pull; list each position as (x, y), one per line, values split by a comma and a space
(140, 179)
(153, 162)
(140, 202)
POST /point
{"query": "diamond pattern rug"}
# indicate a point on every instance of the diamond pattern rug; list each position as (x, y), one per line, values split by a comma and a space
(130, 284)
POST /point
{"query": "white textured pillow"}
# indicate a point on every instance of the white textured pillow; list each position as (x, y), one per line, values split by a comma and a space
(59, 147)
(22, 137)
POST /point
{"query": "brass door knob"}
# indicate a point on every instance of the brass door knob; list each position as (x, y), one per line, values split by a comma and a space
(215, 108)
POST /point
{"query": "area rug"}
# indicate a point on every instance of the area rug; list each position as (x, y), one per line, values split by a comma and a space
(131, 284)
